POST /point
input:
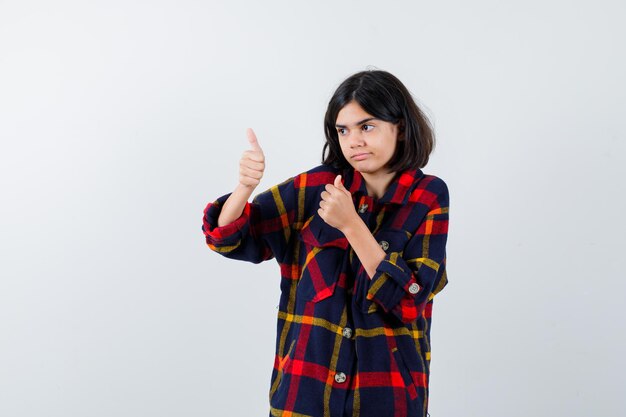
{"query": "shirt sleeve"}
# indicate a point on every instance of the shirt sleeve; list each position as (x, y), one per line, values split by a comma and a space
(263, 230)
(404, 284)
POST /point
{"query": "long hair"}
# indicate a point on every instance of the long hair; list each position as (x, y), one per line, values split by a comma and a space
(383, 96)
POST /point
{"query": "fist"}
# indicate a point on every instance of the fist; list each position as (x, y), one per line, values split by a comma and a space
(336, 205)
(252, 163)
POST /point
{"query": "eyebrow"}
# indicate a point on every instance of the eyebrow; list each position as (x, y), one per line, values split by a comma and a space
(360, 122)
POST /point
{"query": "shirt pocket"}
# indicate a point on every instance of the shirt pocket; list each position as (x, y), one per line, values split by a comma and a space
(325, 249)
(405, 372)
(278, 396)
(284, 363)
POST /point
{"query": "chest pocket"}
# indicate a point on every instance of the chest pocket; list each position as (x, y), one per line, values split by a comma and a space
(325, 254)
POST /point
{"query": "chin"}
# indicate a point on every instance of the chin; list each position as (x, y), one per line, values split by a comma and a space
(366, 169)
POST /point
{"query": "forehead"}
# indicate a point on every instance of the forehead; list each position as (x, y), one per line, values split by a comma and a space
(351, 113)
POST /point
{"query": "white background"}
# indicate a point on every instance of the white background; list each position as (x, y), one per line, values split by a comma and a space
(121, 120)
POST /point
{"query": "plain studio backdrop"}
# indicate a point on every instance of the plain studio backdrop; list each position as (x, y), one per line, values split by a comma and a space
(121, 120)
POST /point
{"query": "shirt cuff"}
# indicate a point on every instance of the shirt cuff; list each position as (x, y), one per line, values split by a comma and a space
(392, 281)
(228, 234)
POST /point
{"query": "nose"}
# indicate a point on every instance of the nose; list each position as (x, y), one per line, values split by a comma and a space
(356, 138)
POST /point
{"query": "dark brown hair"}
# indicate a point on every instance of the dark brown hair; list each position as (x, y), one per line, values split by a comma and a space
(383, 96)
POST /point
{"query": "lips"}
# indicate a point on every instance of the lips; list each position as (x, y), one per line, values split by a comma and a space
(360, 156)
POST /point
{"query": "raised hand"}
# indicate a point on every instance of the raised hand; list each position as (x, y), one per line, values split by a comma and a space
(252, 162)
(336, 206)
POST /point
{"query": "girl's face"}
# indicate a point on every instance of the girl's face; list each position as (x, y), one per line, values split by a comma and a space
(366, 142)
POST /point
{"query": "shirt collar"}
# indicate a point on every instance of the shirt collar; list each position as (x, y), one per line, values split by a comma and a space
(397, 192)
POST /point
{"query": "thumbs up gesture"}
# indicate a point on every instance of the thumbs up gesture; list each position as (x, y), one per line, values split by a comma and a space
(336, 206)
(252, 162)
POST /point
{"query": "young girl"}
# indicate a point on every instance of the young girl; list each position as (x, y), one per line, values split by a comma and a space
(360, 241)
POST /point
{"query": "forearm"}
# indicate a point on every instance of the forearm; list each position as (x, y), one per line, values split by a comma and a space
(365, 245)
(234, 205)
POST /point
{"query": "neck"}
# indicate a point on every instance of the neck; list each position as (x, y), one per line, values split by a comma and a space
(377, 184)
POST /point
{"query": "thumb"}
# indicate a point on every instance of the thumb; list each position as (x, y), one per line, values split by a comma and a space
(254, 143)
(338, 183)
(340, 186)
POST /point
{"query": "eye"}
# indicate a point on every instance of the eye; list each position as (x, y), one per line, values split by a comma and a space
(341, 131)
(370, 126)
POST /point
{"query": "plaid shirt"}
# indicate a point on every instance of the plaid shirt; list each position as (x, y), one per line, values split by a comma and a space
(346, 345)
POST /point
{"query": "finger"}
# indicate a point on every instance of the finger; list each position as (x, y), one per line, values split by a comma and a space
(249, 182)
(250, 172)
(253, 155)
(249, 163)
(338, 183)
(254, 143)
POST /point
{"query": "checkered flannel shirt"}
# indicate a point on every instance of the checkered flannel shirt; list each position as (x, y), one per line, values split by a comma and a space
(346, 345)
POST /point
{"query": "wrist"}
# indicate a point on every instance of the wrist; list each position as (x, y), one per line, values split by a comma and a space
(352, 227)
(242, 189)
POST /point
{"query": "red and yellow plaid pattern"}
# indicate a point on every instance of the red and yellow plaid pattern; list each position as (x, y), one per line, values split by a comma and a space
(346, 345)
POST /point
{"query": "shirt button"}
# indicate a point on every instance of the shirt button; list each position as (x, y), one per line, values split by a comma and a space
(363, 208)
(414, 288)
(347, 332)
(384, 244)
(340, 377)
